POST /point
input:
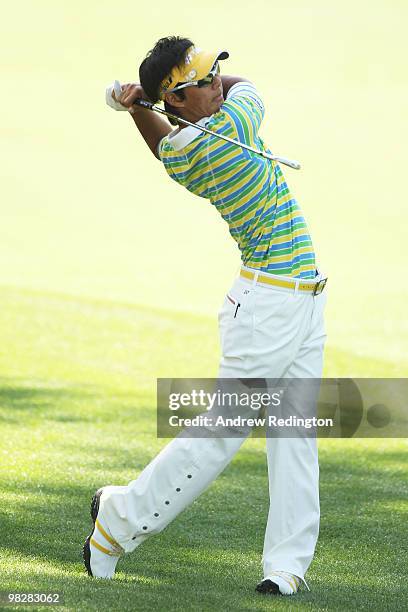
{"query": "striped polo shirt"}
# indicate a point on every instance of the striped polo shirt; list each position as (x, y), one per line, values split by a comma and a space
(249, 191)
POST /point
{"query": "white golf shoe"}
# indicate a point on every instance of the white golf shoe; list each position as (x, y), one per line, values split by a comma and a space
(279, 583)
(100, 551)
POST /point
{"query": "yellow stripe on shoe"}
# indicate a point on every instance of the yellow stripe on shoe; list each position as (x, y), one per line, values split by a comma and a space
(111, 553)
(291, 586)
(105, 535)
(292, 583)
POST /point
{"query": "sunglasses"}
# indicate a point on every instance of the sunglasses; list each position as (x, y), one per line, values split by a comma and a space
(207, 80)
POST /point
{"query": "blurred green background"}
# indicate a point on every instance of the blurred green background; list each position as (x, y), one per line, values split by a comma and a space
(88, 211)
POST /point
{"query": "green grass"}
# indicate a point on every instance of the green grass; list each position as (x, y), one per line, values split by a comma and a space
(88, 212)
(78, 411)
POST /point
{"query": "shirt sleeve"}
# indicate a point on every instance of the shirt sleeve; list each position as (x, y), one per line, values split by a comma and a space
(173, 161)
(244, 106)
(159, 148)
(161, 145)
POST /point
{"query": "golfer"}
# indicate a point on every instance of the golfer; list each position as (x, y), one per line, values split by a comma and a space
(271, 322)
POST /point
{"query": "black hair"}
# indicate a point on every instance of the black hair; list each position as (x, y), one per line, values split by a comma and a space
(166, 53)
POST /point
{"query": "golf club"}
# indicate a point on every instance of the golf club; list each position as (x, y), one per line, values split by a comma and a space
(283, 160)
(288, 162)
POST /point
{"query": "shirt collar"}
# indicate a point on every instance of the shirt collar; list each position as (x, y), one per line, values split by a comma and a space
(181, 138)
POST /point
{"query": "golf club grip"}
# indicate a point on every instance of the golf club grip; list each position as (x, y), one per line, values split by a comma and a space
(143, 103)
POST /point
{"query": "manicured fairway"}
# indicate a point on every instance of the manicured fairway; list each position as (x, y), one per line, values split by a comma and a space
(111, 276)
(78, 411)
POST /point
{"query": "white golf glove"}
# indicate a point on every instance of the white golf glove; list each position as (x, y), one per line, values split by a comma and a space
(116, 87)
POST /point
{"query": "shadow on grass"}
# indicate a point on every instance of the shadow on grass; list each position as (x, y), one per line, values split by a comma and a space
(218, 533)
(21, 401)
(34, 400)
(210, 557)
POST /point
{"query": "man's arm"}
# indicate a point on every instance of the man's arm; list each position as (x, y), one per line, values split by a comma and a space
(229, 81)
(152, 126)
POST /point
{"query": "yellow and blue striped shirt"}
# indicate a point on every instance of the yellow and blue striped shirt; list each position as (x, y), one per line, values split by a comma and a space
(249, 191)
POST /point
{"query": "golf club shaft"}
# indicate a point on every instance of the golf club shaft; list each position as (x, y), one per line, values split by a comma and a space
(150, 106)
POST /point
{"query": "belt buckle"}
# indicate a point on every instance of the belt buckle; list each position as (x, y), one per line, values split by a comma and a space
(318, 289)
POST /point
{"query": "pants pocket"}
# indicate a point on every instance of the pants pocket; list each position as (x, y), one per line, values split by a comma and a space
(236, 327)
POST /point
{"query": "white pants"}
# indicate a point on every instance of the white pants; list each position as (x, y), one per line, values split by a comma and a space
(274, 333)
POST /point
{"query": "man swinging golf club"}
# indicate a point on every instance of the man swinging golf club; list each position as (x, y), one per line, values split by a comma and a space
(271, 322)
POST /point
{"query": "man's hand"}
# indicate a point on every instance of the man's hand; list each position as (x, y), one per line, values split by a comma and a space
(151, 126)
(130, 93)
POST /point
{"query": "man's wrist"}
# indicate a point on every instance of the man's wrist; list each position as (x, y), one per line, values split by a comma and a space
(137, 112)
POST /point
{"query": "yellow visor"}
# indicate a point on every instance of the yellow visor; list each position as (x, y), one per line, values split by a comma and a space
(196, 65)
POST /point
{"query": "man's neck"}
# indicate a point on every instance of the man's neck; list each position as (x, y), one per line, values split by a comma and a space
(183, 125)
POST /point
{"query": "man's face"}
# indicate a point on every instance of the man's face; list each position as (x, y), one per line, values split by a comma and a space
(199, 101)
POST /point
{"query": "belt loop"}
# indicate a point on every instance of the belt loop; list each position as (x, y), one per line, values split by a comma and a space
(255, 279)
(297, 281)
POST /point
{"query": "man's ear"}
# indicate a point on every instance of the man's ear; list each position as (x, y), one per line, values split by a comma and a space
(173, 100)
